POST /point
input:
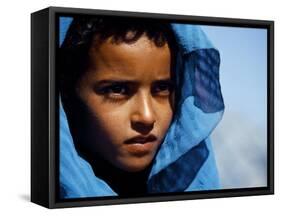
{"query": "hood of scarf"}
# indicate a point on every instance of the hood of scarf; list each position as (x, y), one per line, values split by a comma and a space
(185, 160)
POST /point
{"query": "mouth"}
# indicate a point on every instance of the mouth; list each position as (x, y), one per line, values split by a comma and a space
(141, 145)
(141, 139)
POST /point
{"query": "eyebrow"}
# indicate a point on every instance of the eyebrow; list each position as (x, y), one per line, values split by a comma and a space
(129, 81)
(108, 81)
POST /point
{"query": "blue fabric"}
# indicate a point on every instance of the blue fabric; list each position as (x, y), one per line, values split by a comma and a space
(77, 178)
(185, 160)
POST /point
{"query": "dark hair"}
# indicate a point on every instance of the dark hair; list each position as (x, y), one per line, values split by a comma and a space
(85, 31)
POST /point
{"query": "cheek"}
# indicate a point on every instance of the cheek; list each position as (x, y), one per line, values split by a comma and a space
(106, 132)
(165, 116)
(108, 122)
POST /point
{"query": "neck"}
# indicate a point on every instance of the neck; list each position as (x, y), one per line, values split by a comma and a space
(123, 183)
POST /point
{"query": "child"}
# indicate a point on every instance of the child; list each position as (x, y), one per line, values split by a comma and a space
(134, 109)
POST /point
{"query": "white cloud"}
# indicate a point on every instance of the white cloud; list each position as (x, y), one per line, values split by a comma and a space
(241, 151)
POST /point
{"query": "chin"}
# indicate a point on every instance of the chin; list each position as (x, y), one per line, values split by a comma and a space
(135, 165)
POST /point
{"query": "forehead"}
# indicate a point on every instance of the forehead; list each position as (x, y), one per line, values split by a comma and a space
(138, 60)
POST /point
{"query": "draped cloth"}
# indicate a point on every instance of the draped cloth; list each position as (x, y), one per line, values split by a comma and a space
(185, 160)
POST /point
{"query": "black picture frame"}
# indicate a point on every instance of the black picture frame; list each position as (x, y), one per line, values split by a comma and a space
(45, 115)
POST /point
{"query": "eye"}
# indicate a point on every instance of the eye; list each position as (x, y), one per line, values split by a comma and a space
(115, 90)
(162, 88)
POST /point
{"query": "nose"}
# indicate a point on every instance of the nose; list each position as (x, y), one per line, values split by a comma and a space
(143, 116)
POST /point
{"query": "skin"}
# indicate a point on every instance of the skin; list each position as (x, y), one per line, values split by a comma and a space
(127, 91)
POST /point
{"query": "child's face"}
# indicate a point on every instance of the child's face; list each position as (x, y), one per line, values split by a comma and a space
(127, 90)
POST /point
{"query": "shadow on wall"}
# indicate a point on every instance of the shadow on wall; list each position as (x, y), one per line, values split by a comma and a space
(241, 152)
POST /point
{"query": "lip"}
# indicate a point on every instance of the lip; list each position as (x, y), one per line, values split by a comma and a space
(141, 145)
(141, 139)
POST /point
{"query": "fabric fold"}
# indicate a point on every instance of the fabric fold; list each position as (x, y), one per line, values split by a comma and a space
(185, 160)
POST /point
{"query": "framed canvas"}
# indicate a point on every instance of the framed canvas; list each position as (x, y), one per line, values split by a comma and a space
(133, 107)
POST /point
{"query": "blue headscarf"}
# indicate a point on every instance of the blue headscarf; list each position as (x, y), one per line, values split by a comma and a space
(185, 160)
